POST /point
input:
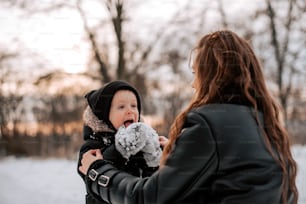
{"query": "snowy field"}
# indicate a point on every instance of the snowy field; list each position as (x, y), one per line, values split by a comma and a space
(53, 181)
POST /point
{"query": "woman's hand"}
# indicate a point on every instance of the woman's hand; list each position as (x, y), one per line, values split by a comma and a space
(88, 158)
(163, 141)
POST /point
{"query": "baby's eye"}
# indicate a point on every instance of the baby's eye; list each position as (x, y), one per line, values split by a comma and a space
(121, 107)
(134, 106)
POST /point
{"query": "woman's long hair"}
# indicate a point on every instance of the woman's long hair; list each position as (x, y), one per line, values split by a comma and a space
(227, 71)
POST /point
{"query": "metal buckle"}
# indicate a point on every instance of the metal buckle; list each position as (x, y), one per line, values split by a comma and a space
(93, 174)
(103, 180)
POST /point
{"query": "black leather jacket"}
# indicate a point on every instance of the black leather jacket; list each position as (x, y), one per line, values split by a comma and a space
(220, 157)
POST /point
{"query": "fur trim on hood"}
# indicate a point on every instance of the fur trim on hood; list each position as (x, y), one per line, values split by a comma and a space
(92, 121)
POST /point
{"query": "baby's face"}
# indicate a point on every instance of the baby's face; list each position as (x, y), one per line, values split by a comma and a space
(123, 109)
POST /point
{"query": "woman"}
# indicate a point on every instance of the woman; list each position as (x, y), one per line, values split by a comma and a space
(228, 146)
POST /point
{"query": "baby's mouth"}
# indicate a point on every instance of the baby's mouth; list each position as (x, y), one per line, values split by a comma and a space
(128, 122)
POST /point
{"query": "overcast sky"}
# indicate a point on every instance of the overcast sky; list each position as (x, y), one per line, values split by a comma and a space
(59, 36)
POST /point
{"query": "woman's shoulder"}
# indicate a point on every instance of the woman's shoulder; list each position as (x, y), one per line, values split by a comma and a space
(223, 109)
(224, 114)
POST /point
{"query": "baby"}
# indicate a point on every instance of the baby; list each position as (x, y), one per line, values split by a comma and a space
(112, 124)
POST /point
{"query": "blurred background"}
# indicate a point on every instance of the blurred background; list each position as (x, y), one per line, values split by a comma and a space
(52, 52)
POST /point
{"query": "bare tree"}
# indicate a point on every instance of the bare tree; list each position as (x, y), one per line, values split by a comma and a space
(4, 57)
(222, 13)
(282, 33)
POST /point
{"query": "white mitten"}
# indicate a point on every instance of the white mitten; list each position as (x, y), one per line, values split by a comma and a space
(129, 141)
(152, 151)
(139, 137)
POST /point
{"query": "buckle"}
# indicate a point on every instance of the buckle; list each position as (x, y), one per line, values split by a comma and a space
(92, 174)
(103, 180)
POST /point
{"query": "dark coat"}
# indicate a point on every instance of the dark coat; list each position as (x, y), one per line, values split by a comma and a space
(220, 157)
(103, 138)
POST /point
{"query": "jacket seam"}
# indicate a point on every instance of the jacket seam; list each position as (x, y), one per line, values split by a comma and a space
(214, 136)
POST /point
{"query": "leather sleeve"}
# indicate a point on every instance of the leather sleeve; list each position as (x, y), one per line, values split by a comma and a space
(191, 163)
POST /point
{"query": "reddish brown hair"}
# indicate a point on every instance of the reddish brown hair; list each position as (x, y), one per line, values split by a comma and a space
(223, 61)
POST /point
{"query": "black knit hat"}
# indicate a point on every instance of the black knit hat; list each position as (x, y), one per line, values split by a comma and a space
(100, 100)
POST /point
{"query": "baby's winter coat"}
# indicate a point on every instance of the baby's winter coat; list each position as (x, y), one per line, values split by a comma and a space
(134, 149)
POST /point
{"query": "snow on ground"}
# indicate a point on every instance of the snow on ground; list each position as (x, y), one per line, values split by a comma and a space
(31, 181)
(55, 181)
(299, 153)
